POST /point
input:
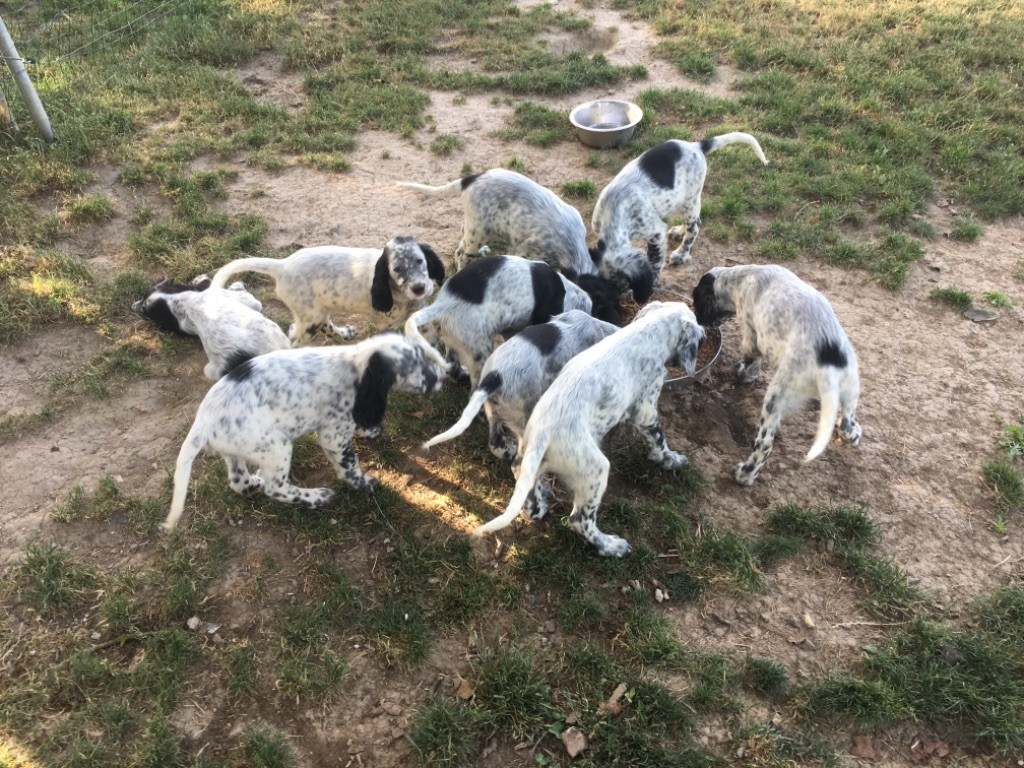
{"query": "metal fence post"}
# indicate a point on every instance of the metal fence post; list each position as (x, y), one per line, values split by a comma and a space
(24, 83)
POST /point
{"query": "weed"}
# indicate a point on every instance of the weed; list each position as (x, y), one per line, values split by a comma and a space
(511, 692)
(1007, 483)
(997, 299)
(49, 579)
(1012, 439)
(583, 189)
(765, 677)
(965, 229)
(243, 669)
(649, 635)
(445, 734)
(89, 209)
(266, 749)
(444, 144)
(954, 297)
(515, 164)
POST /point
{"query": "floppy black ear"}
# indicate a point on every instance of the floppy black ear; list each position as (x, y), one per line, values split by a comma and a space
(435, 267)
(642, 284)
(203, 284)
(380, 290)
(704, 300)
(597, 253)
(606, 299)
(372, 392)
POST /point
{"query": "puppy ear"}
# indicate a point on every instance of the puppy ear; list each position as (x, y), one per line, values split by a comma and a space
(372, 392)
(161, 284)
(687, 352)
(704, 300)
(607, 302)
(642, 284)
(597, 253)
(380, 290)
(435, 267)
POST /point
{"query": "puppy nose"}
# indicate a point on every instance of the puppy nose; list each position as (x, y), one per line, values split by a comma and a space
(419, 289)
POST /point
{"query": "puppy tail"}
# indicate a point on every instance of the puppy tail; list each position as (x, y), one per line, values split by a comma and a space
(490, 384)
(529, 469)
(251, 264)
(717, 142)
(194, 443)
(412, 331)
(828, 394)
(447, 190)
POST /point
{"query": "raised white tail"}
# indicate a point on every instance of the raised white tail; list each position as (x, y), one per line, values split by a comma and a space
(251, 264)
(828, 394)
(529, 469)
(476, 402)
(717, 142)
(412, 330)
(450, 189)
(194, 443)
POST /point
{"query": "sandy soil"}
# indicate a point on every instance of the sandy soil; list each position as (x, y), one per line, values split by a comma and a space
(931, 381)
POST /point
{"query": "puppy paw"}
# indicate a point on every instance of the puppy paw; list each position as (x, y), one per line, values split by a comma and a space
(369, 432)
(166, 526)
(536, 509)
(676, 232)
(344, 331)
(678, 257)
(369, 484)
(320, 496)
(485, 250)
(747, 374)
(613, 546)
(745, 474)
(852, 436)
(671, 460)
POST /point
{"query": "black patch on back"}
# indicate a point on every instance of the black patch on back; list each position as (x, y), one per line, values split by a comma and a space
(605, 298)
(237, 358)
(544, 337)
(490, 383)
(241, 372)
(707, 145)
(548, 293)
(597, 253)
(470, 282)
(830, 353)
(159, 313)
(166, 286)
(659, 163)
(372, 392)
(467, 180)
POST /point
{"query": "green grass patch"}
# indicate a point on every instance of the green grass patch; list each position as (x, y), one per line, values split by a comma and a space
(1004, 478)
(997, 299)
(536, 124)
(957, 298)
(965, 229)
(445, 144)
(50, 580)
(583, 189)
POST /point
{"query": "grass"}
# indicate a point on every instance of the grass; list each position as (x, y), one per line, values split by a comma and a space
(584, 189)
(997, 299)
(537, 125)
(49, 579)
(445, 144)
(1007, 483)
(965, 229)
(957, 298)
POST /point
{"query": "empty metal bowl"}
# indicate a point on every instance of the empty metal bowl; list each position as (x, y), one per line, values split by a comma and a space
(606, 122)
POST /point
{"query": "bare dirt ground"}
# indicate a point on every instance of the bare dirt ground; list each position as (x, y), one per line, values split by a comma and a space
(931, 382)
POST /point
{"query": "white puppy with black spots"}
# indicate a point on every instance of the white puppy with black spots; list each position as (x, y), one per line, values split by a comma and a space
(618, 379)
(317, 282)
(252, 415)
(228, 322)
(537, 224)
(498, 295)
(666, 179)
(793, 327)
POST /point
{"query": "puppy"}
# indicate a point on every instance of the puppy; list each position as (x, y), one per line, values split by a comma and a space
(537, 224)
(666, 179)
(253, 414)
(316, 282)
(793, 327)
(227, 322)
(519, 371)
(617, 379)
(498, 295)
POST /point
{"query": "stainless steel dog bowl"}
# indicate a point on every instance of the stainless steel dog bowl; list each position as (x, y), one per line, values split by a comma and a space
(606, 122)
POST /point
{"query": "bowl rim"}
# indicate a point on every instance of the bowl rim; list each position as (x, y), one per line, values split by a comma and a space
(631, 124)
(682, 382)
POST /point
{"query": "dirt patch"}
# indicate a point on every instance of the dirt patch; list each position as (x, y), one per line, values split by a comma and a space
(266, 78)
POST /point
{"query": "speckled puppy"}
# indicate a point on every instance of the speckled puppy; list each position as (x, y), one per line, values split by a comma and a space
(793, 326)
(253, 414)
(617, 379)
(666, 179)
(497, 295)
(537, 224)
(227, 322)
(316, 282)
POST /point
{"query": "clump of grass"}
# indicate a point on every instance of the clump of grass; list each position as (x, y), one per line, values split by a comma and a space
(267, 749)
(765, 677)
(50, 580)
(583, 189)
(445, 734)
(649, 635)
(1006, 480)
(511, 693)
(515, 164)
(89, 209)
(954, 297)
(1012, 440)
(845, 526)
(997, 299)
(444, 144)
(536, 124)
(335, 162)
(869, 703)
(966, 229)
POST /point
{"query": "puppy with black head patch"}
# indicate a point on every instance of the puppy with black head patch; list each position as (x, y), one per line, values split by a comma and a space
(537, 224)
(317, 282)
(252, 415)
(666, 179)
(227, 322)
(794, 328)
(497, 295)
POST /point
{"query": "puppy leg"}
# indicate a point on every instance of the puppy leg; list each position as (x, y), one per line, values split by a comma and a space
(274, 466)
(211, 371)
(472, 241)
(591, 481)
(344, 331)
(657, 245)
(502, 443)
(337, 444)
(777, 403)
(538, 502)
(848, 426)
(239, 478)
(645, 418)
(682, 254)
(749, 367)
